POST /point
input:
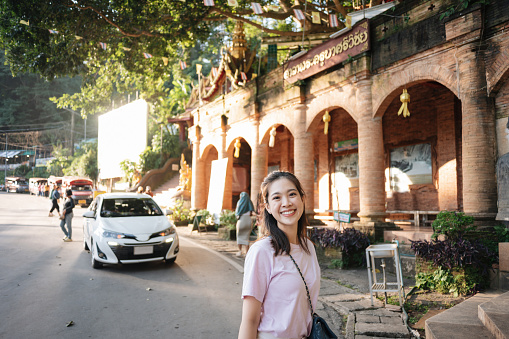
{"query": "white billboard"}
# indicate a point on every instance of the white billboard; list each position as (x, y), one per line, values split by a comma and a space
(122, 136)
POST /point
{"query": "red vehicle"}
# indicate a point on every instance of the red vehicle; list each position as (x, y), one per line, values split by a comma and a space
(81, 188)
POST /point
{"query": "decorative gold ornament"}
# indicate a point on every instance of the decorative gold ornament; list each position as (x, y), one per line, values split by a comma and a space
(326, 120)
(405, 99)
(272, 138)
(237, 148)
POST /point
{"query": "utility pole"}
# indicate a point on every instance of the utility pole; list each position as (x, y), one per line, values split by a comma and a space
(72, 128)
(5, 162)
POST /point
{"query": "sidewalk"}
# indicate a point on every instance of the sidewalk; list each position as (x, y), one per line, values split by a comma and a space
(344, 300)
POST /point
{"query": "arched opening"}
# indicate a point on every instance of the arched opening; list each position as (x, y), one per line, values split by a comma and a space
(280, 156)
(423, 151)
(238, 173)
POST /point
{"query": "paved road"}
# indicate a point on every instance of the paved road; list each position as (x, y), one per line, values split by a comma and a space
(46, 283)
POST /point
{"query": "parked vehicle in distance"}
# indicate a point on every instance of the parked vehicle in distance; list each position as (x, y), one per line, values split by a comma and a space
(81, 188)
(33, 185)
(16, 184)
(124, 228)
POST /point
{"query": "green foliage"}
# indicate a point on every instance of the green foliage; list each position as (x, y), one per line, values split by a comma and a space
(22, 171)
(130, 168)
(337, 263)
(452, 224)
(228, 219)
(207, 218)
(447, 281)
(84, 162)
(460, 6)
(61, 161)
(179, 212)
(152, 157)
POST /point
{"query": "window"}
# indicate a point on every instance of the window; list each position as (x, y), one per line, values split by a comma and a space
(410, 165)
(129, 207)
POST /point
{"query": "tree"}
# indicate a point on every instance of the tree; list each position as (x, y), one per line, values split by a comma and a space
(84, 162)
(87, 35)
(56, 166)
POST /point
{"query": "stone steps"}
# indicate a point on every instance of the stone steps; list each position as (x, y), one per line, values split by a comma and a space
(485, 315)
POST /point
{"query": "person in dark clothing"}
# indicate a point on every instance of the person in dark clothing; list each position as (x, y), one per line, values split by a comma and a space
(67, 215)
(55, 195)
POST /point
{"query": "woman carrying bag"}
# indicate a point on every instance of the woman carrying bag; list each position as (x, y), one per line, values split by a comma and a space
(243, 214)
(281, 271)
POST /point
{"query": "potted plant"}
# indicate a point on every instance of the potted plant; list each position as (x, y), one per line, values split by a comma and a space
(343, 249)
(228, 223)
(180, 214)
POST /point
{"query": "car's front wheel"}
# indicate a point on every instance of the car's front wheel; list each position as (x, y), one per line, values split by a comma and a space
(85, 246)
(95, 263)
(170, 261)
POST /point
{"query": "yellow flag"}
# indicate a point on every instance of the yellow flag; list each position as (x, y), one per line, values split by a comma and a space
(315, 17)
(165, 61)
(24, 22)
(126, 49)
(233, 3)
(348, 22)
(78, 37)
(198, 68)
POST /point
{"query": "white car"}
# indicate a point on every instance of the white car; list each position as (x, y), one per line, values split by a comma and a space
(124, 228)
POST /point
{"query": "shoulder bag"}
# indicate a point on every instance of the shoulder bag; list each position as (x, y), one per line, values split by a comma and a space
(320, 329)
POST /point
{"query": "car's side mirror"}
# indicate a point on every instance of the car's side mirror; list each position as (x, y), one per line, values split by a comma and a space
(89, 214)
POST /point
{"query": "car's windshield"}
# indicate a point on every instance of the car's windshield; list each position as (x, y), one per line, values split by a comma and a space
(129, 207)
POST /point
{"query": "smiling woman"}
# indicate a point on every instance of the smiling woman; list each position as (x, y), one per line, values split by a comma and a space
(277, 264)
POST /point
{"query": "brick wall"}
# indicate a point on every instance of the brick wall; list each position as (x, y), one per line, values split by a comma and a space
(432, 120)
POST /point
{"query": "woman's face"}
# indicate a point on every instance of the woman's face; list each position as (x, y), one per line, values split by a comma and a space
(284, 203)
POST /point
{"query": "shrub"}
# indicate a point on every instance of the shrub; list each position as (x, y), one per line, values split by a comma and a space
(447, 258)
(452, 224)
(179, 212)
(228, 219)
(352, 243)
(207, 218)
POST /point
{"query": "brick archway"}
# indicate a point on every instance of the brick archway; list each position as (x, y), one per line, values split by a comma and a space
(388, 86)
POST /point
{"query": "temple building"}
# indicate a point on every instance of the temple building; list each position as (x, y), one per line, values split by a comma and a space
(336, 117)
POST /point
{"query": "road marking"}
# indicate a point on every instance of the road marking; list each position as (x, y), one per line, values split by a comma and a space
(222, 256)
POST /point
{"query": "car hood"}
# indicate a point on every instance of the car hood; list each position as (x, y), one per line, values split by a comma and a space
(136, 225)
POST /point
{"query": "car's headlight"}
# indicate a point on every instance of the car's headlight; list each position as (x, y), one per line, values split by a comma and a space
(116, 235)
(168, 231)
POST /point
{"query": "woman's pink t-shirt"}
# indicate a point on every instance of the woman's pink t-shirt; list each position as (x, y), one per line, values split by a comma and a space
(276, 283)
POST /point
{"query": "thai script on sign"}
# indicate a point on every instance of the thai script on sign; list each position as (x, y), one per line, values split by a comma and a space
(334, 52)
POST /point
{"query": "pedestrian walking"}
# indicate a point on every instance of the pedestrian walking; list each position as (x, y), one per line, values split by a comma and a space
(275, 302)
(55, 197)
(243, 214)
(67, 214)
(148, 191)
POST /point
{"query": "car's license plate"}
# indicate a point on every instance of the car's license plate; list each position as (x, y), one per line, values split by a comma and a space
(82, 201)
(143, 250)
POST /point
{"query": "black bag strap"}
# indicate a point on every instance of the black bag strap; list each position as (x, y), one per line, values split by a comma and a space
(307, 290)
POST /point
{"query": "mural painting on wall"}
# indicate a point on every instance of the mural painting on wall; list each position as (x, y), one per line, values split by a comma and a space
(410, 165)
(328, 54)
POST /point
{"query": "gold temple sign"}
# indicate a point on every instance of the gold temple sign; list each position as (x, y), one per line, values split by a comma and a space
(328, 54)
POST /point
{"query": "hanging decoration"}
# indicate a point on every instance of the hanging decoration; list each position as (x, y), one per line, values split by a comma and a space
(52, 31)
(126, 49)
(257, 9)
(298, 14)
(165, 60)
(315, 18)
(147, 56)
(326, 120)
(24, 22)
(243, 76)
(333, 20)
(233, 3)
(103, 45)
(272, 139)
(208, 2)
(183, 65)
(237, 148)
(405, 99)
(78, 37)
(198, 68)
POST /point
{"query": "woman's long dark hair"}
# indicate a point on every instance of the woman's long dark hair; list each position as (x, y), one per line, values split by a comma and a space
(269, 226)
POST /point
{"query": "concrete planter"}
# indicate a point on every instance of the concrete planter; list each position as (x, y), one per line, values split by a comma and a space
(226, 233)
